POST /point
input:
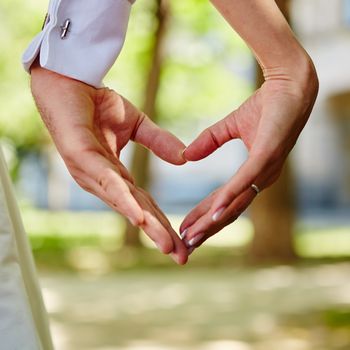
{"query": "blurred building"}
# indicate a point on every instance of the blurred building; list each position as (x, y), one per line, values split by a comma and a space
(322, 154)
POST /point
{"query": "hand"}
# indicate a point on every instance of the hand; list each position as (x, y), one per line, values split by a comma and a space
(90, 127)
(268, 123)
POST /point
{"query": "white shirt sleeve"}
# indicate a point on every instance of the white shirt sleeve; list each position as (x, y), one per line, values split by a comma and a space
(81, 39)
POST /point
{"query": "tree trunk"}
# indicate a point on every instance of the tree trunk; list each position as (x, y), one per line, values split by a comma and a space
(273, 216)
(273, 211)
(141, 156)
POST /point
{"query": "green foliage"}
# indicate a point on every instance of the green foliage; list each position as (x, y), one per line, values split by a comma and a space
(19, 121)
(60, 234)
(337, 317)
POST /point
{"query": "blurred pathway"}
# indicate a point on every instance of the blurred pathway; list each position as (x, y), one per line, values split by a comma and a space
(277, 308)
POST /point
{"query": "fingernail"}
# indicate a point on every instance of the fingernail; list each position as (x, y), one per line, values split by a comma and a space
(190, 250)
(132, 221)
(184, 233)
(216, 216)
(158, 246)
(195, 240)
(174, 257)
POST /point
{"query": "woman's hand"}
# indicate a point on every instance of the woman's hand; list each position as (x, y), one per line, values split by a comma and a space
(268, 123)
(89, 128)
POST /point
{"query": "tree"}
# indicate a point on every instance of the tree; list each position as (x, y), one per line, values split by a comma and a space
(141, 156)
(273, 211)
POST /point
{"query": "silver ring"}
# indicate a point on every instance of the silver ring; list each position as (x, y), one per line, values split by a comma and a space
(255, 188)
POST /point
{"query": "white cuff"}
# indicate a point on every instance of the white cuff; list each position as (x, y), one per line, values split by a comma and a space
(81, 39)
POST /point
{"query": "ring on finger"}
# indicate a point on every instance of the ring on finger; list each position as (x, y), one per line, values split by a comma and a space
(255, 188)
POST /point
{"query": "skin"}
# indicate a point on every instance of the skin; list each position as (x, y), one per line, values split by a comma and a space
(90, 127)
(268, 123)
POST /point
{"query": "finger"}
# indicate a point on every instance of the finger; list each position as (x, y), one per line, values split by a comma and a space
(179, 254)
(209, 224)
(157, 233)
(253, 168)
(150, 225)
(161, 142)
(212, 138)
(205, 227)
(153, 226)
(197, 212)
(154, 229)
(106, 182)
(234, 203)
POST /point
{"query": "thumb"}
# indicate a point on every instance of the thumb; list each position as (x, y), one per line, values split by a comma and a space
(212, 138)
(161, 142)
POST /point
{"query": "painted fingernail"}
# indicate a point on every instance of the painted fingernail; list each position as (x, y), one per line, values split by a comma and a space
(184, 233)
(175, 257)
(216, 216)
(190, 250)
(195, 240)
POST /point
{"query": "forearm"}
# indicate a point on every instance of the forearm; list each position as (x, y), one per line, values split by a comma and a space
(263, 27)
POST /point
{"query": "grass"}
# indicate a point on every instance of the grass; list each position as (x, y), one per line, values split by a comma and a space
(93, 240)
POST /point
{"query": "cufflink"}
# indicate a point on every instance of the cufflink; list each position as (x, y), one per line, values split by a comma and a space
(65, 28)
(46, 21)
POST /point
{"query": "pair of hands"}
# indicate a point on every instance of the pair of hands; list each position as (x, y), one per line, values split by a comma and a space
(91, 126)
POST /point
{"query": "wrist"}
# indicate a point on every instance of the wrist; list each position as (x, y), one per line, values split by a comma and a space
(298, 69)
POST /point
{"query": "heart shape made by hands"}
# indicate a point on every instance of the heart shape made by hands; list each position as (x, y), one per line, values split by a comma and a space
(90, 127)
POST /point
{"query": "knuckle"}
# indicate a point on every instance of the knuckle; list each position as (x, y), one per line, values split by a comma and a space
(229, 195)
(213, 137)
(138, 221)
(142, 117)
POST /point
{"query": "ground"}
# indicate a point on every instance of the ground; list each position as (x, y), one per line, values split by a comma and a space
(305, 307)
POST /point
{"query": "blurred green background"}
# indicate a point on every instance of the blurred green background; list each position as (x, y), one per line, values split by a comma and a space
(277, 278)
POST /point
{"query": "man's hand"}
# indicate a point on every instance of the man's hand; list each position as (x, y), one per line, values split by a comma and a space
(90, 127)
(268, 123)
